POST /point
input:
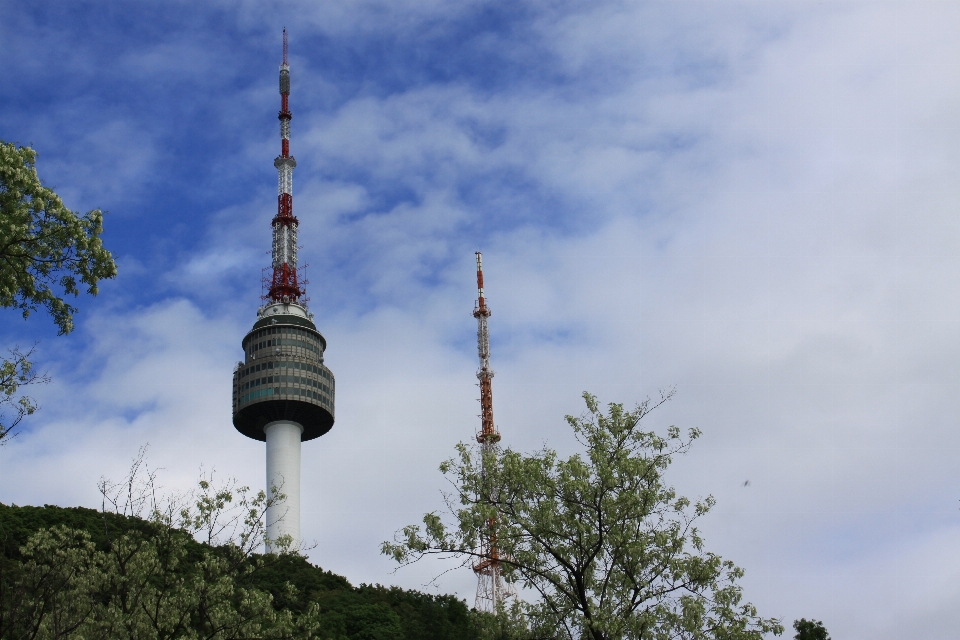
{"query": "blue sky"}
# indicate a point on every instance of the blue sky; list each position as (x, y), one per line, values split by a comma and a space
(753, 202)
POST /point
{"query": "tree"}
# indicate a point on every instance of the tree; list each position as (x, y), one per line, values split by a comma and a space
(155, 581)
(43, 244)
(47, 594)
(47, 252)
(422, 616)
(123, 571)
(609, 548)
(810, 630)
(15, 373)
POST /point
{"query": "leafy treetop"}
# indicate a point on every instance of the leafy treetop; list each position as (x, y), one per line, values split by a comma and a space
(610, 549)
(43, 244)
(810, 630)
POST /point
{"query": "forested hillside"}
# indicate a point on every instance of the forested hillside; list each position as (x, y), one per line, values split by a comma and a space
(345, 612)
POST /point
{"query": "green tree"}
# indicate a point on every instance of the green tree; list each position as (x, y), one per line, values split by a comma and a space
(155, 581)
(43, 244)
(612, 552)
(810, 630)
(47, 253)
(48, 593)
(15, 373)
(422, 616)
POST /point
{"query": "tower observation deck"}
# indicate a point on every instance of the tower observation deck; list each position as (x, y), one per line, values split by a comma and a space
(283, 393)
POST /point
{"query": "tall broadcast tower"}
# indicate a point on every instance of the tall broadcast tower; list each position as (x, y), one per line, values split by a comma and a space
(282, 392)
(491, 588)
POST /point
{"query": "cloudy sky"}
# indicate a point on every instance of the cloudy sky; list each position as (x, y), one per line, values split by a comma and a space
(752, 202)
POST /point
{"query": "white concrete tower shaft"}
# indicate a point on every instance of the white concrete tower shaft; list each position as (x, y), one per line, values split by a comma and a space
(283, 484)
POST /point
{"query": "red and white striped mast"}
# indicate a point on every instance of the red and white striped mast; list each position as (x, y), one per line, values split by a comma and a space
(491, 588)
(488, 433)
(284, 286)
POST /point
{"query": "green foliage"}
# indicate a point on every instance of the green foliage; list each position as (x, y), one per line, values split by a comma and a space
(43, 244)
(15, 373)
(810, 630)
(358, 612)
(510, 622)
(185, 566)
(17, 524)
(139, 588)
(610, 549)
(47, 252)
(48, 593)
(419, 615)
(345, 612)
(117, 575)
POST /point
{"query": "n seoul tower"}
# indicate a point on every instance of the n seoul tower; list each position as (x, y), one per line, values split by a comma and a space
(282, 392)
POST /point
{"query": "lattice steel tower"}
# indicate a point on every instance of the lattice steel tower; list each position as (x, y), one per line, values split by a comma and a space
(282, 392)
(491, 588)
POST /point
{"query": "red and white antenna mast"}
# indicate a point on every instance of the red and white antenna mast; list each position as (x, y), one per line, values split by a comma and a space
(491, 588)
(284, 286)
(488, 432)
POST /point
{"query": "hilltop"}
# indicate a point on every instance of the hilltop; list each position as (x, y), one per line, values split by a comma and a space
(347, 612)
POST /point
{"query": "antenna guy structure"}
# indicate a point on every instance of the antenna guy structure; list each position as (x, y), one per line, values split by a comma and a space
(491, 588)
(283, 394)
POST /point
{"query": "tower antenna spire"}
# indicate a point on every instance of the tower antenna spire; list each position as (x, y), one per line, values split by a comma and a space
(488, 432)
(284, 283)
(491, 588)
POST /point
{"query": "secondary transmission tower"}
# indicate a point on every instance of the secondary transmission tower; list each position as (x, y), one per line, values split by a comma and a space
(491, 588)
(282, 391)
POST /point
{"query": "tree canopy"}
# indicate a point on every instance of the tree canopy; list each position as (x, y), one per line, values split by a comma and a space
(16, 372)
(47, 252)
(611, 551)
(810, 630)
(154, 580)
(188, 570)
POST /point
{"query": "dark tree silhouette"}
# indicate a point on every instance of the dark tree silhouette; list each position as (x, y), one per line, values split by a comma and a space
(810, 630)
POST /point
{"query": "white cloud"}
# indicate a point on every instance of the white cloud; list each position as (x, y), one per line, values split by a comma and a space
(777, 239)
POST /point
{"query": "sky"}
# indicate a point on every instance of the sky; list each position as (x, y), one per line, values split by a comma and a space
(753, 203)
